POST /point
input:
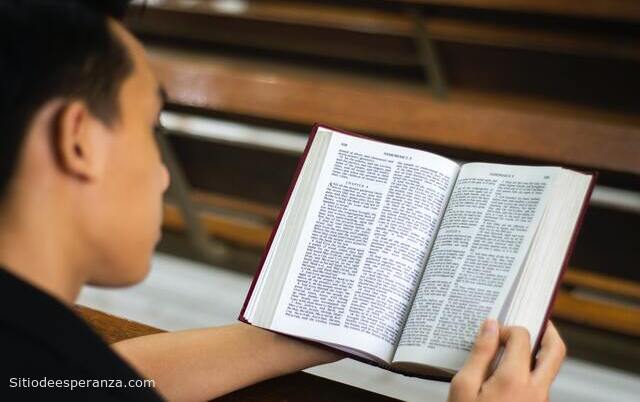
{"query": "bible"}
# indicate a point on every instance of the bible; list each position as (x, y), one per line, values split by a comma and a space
(396, 255)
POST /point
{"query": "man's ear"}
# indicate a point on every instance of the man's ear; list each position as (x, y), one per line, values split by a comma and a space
(75, 143)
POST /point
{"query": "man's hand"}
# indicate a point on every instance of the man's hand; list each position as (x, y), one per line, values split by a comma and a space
(513, 379)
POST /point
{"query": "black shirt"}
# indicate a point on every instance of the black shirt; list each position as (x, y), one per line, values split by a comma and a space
(42, 340)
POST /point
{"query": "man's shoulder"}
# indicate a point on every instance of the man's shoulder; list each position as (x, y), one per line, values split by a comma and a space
(46, 348)
(22, 352)
(30, 370)
(34, 371)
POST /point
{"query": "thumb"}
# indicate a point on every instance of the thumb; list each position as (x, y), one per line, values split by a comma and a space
(476, 369)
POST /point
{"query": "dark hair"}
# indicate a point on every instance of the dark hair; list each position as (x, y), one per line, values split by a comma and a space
(56, 49)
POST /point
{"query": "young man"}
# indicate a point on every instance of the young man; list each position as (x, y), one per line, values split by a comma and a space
(81, 185)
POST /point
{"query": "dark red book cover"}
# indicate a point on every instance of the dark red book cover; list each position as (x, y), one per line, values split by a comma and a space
(287, 198)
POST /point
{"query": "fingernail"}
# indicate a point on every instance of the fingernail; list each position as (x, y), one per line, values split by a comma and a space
(490, 328)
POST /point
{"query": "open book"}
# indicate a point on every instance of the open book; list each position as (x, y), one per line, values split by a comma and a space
(396, 255)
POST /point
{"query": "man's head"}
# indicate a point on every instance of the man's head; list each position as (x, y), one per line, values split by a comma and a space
(78, 108)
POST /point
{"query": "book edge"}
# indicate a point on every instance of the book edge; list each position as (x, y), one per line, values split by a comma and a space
(278, 220)
(565, 262)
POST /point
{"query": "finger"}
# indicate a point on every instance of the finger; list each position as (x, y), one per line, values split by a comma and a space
(476, 368)
(516, 359)
(550, 357)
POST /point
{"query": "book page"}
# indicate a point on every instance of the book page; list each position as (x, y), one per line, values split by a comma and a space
(364, 244)
(485, 234)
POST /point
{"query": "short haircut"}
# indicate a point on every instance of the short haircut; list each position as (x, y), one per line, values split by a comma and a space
(56, 49)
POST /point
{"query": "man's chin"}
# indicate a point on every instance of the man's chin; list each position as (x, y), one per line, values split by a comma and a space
(128, 277)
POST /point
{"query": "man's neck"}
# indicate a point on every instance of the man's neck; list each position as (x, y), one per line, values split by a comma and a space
(37, 248)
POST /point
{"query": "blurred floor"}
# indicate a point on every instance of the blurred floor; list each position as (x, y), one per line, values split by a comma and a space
(181, 294)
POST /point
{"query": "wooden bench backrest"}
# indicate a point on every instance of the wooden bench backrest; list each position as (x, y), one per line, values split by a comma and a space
(525, 129)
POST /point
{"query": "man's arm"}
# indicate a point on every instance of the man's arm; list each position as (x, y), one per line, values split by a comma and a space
(199, 365)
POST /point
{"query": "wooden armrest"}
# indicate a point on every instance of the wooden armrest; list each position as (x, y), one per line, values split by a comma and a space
(114, 329)
(294, 387)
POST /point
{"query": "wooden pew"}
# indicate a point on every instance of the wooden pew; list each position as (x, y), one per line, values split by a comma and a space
(285, 26)
(588, 280)
(534, 38)
(502, 125)
(237, 231)
(393, 30)
(596, 313)
(628, 10)
(294, 387)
